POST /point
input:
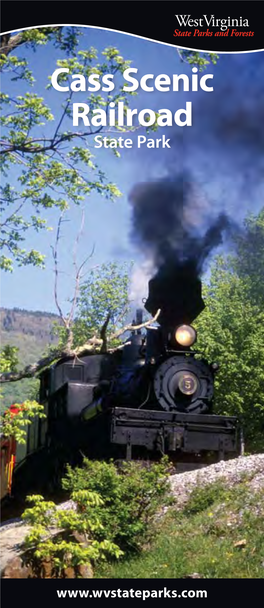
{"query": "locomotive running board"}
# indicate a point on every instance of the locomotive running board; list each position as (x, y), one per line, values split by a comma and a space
(171, 432)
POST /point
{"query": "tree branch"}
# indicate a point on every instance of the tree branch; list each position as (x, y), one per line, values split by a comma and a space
(121, 331)
(56, 271)
(68, 320)
(9, 43)
(103, 335)
(92, 345)
(51, 143)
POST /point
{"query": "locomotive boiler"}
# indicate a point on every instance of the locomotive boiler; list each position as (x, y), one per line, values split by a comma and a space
(151, 396)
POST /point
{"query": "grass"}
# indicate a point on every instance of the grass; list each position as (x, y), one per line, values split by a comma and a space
(218, 534)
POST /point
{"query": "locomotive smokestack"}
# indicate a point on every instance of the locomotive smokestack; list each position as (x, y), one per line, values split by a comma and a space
(177, 291)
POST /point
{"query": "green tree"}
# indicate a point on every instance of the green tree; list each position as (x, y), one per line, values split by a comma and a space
(65, 39)
(26, 412)
(195, 58)
(16, 425)
(231, 330)
(249, 262)
(8, 358)
(97, 323)
(102, 305)
(52, 163)
(8, 362)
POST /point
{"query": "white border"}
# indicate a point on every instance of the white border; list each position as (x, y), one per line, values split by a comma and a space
(97, 27)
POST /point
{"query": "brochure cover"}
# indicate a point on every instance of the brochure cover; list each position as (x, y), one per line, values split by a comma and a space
(132, 320)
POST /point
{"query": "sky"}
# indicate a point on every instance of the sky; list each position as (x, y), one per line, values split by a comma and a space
(222, 153)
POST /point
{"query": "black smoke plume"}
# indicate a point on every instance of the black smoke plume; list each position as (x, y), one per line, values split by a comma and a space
(171, 224)
(176, 225)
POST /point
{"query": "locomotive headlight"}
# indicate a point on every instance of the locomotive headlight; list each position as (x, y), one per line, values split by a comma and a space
(185, 335)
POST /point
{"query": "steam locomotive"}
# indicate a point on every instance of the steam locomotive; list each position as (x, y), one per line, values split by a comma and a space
(152, 396)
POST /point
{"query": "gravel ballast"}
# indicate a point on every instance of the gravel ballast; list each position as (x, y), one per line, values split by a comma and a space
(230, 472)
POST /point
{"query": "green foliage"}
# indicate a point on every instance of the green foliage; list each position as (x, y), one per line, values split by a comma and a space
(103, 294)
(222, 537)
(8, 358)
(8, 363)
(115, 511)
(52, 163)
(131, 497)
(63, 549)
(15, 425)
(202, 498)
(249, 262)
(231, 331)
(201, 60)
(65, 39)
(29, 334)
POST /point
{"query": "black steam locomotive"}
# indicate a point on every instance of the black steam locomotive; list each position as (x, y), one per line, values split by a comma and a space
(150, 397)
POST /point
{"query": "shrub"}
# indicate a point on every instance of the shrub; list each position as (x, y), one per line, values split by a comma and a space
(114, 513)
(131, 497)
(66, 538)
(202, 498)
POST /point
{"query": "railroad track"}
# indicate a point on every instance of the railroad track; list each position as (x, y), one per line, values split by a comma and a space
(12, 507)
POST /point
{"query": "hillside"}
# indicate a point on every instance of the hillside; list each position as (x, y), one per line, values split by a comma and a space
(21, 324)
(214, 529)
(32, 332)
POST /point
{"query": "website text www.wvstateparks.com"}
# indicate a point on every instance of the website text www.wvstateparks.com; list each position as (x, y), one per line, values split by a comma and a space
(143, 594)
